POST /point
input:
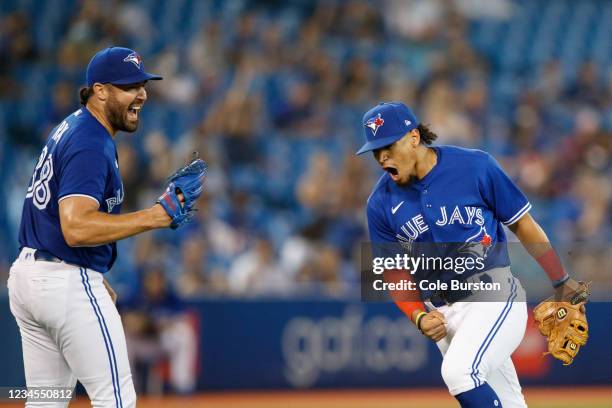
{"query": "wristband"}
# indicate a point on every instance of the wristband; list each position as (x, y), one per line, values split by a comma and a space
(560, 282)
(417, 321)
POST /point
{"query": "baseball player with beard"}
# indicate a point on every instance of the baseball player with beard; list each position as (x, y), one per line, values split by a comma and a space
(69, 325)
(447, 194)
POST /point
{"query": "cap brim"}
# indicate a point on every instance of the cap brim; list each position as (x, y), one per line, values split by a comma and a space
(134, 79)
(378, 143)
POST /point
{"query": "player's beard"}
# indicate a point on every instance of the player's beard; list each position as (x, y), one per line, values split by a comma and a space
(117, 115)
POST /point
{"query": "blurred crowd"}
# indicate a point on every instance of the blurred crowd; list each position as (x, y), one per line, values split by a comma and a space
(271, 94)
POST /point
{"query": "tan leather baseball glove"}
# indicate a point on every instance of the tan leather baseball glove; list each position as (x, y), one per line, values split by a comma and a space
(564, 323)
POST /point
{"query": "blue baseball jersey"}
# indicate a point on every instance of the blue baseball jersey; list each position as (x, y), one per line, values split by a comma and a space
(460, 205)
(79, 159)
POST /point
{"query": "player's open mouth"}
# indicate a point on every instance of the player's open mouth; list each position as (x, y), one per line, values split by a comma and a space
(133, 112)
(392, 172)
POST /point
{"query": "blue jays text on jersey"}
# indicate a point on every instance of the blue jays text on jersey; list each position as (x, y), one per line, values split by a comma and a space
(463, 201)
(79, 159)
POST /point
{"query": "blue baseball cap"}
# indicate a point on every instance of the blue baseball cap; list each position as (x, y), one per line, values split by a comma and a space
(117, 65)
(385, 124)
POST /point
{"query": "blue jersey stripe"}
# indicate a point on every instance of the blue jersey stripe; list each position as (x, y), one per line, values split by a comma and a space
(489, 338)
(105, 335)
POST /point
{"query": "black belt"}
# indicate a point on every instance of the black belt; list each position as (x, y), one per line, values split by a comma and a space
(447, 297)
(42, 255)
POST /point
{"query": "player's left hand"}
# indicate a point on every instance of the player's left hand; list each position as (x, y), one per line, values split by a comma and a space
(562, 320)
(110, 290)
(433, 325)
(572, 291)
(184, 188)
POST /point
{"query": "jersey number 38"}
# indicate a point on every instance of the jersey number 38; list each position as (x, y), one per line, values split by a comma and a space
(38, 189)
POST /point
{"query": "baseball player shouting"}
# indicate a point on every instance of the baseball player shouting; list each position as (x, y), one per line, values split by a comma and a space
(446, 194)
(69, 325)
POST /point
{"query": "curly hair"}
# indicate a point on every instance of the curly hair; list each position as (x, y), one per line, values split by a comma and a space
(427, 136)
(84, 94)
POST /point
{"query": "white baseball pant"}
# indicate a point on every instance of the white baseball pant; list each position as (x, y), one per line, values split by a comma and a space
(70, 329)
(482, 333)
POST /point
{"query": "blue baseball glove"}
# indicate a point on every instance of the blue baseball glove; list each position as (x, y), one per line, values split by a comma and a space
(187, 181)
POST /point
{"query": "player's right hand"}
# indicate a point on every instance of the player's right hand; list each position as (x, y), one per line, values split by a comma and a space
(433, 325)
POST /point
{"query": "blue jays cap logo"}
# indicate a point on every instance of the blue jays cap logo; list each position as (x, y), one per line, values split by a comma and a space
(398, 120)
(374, 123)
(134, 58)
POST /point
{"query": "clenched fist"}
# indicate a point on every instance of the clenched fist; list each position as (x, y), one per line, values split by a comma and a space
(433, 325)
